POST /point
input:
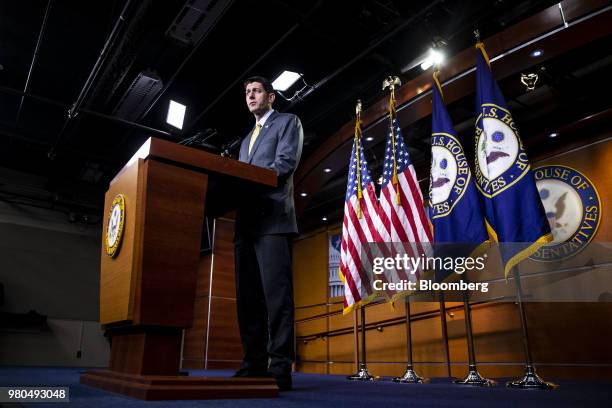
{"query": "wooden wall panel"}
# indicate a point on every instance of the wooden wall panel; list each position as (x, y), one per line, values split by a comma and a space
(315, 368)
(308, 324)
(581, 342)
(315, 350)
(213, 341)
(307, 313)
(427, 343)
(203, 286)
(224, 283)
(386, 345)
(497, 332)
(194, 340)
(223, 337)
(310, 270)
(341, 322)
(341, 349)
(341, 368)
(497, 339)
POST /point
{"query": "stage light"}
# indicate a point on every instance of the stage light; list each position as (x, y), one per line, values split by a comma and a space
(303, 194)
(434, 58)
(285, 80)
(327, 170)
(369, 139)
(554, 134)
(176, 114)
(324, 219)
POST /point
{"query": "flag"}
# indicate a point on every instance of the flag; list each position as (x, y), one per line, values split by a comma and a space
(402, 215)
(455, 208)
(358, 229)
(513, 209)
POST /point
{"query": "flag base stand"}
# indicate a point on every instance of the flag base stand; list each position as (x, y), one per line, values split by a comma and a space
(410, 377)
(474, 378)
(531, 381)
(361, 375)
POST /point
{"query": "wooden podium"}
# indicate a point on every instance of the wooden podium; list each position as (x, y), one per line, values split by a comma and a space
(147, 289)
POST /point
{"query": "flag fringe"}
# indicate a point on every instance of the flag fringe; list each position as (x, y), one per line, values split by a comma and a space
(361, 303)
(526, 253)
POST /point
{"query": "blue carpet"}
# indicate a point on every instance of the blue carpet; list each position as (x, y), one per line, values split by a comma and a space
(312, 390)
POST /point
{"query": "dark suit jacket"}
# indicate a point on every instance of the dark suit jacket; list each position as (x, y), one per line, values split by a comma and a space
(278, 147)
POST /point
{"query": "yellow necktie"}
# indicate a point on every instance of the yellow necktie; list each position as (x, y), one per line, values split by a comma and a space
(254, 136)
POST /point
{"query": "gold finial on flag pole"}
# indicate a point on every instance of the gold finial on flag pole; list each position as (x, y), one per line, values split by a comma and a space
(358, 108)
(391, 82)
(480, 46)
(436, 78)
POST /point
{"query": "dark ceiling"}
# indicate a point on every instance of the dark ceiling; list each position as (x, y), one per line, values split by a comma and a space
(81, 88)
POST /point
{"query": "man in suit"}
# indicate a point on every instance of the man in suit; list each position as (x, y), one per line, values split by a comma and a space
(265, 223)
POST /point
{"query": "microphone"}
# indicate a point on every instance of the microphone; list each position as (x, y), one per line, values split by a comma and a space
(199, 140)
(230, 147)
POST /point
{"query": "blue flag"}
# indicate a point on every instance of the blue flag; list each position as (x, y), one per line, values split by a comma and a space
(503, 175)
(455, 207)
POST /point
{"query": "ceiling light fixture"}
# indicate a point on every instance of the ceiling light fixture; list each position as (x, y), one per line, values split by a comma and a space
(324, 219)
(285, 80)
(327, 170)
(536, 53)
(554, 134)
(176, 114)
(303, 194)
(435, 57)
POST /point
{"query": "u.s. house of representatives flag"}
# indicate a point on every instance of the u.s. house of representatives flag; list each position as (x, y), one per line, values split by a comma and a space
(455, 207)
(512, 204)
(358, 229)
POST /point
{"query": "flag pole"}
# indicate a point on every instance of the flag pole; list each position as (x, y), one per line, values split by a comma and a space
(410, 376)
(445, 332)
(356, 339)
(441, 300)
(473, 377)
(391, 82)
(362, 374)
(530, 380)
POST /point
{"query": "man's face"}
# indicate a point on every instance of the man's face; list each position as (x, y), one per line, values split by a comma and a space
(258, 100)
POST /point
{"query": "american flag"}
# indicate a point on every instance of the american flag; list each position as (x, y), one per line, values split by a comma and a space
(401, 211)
(358, 229)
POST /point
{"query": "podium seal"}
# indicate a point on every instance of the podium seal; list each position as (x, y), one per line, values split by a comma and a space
(114, 228)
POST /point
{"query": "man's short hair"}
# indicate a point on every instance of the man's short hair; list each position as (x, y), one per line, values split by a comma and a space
(267, 85)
